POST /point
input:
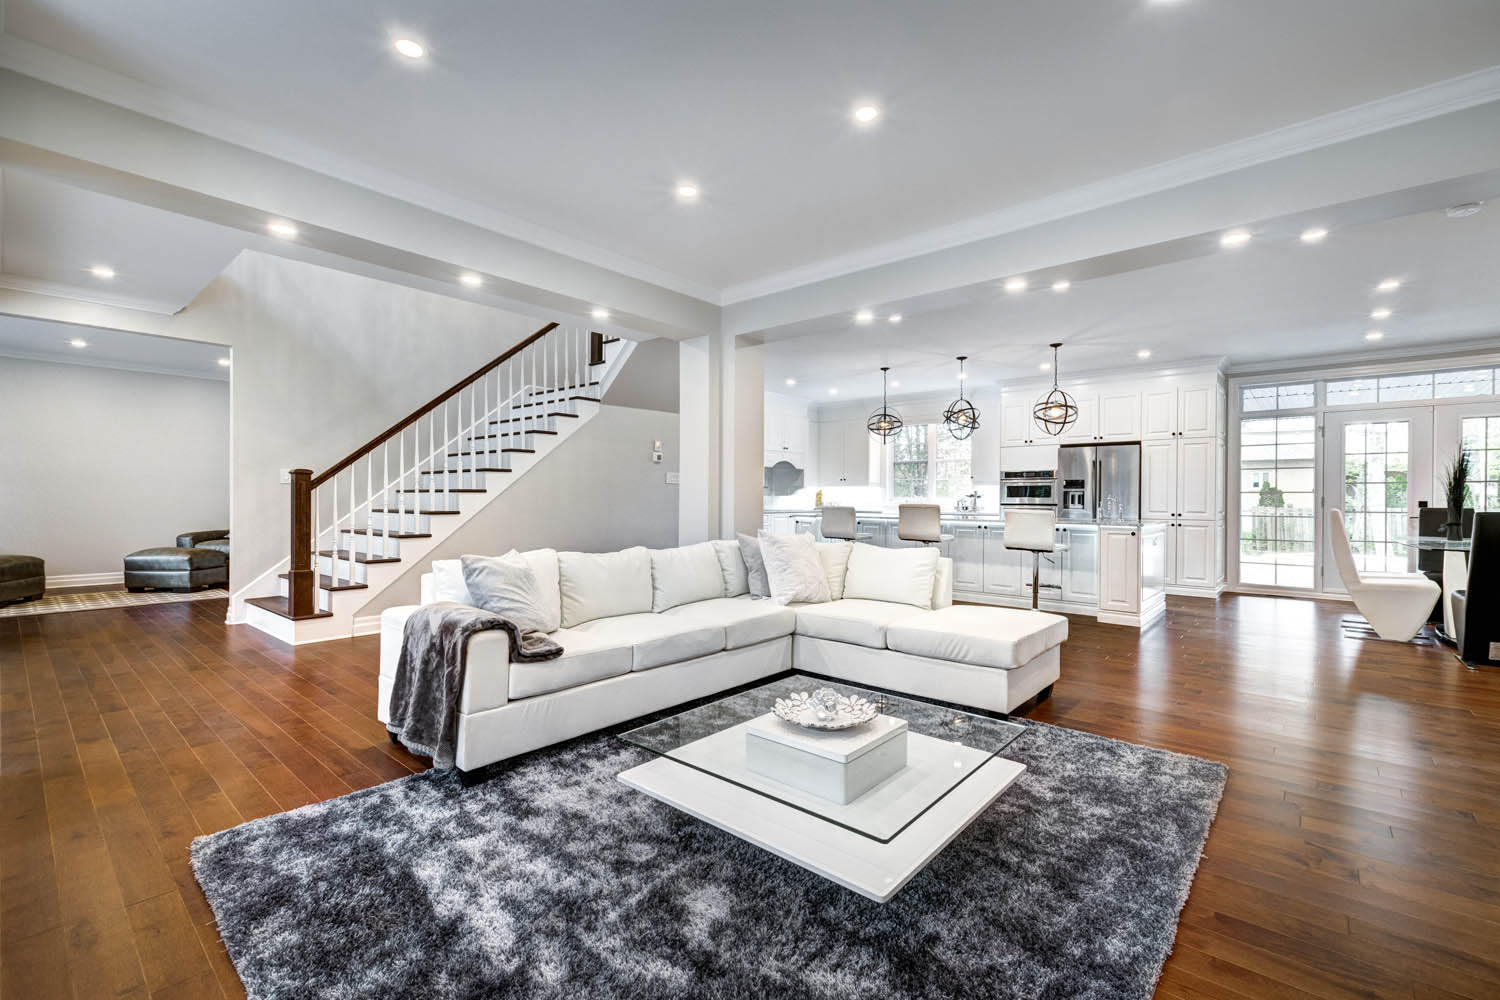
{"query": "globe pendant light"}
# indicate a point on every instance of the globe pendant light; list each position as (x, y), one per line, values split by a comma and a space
(884, 423)
(961, 418)
(1056, 411)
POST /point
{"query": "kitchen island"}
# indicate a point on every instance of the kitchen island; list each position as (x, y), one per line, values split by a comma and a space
(1113, 570)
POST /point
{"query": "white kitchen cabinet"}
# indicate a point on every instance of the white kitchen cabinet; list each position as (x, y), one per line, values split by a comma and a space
(1002, 566)
(1079, 564)
(1194, 553)
(1016, 427)
(1158, 480)
(1219, 549)
(1084, 429)
(1197, 478)
(1119, 570)
(967, 552)
(1169, 551)
(843, 454)
(857, 462)
(879, 530)
(984, 444)
(1159, 413)
(787, 430)
(1196, 405)
(1119, 416)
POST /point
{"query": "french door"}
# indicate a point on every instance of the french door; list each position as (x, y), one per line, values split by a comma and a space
(1376, 465)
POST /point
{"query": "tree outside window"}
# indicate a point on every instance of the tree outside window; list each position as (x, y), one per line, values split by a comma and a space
(929, 463)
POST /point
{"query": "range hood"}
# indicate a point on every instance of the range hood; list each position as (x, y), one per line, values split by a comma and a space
(782, 479)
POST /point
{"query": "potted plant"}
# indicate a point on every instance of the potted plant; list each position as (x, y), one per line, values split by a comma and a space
(1455, 488)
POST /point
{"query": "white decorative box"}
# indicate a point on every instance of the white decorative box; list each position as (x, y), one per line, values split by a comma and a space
(838, 765)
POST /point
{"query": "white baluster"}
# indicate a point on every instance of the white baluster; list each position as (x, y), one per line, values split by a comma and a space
(385, 493)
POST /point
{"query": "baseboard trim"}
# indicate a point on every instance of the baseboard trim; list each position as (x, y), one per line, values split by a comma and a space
(85, 580)
(368, 625)
(1212, 593)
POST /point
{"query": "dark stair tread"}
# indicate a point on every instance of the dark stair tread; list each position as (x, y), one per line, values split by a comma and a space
(491, 437)
(562, 388)
(327, 583)
(381, 534)
(512, 420)
(278, 605)
(359, 557)
(482, 468)
(456, 489)
(389, 510)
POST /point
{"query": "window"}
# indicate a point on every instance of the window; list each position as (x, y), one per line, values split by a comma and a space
(929, 463)
(1278, 515)
(1376, 453)
(1410, 386)
(1469, 382)
(1481, 436)
(1279, 397)
(1348, 391)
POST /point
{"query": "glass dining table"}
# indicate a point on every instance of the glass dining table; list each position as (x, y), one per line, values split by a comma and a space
(1455, 571)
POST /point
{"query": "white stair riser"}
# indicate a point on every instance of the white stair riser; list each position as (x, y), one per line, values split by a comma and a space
(420, 523)
(325, 567)
(374, 545)
(325, 599)
(453, 480)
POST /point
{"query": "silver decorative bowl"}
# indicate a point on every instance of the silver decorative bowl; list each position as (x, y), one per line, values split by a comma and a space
(825, 708)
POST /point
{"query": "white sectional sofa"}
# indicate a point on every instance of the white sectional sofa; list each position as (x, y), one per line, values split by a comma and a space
(643, 630)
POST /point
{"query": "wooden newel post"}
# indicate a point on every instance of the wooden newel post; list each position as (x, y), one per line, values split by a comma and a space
(302, 592)
(596, 348)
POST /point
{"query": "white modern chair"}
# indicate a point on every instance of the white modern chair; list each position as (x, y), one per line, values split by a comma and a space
(1031, 529)
(921, 522)
(1395, 604)
(839, 523)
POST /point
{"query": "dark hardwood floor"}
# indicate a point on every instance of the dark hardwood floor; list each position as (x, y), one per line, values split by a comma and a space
(1356, 852)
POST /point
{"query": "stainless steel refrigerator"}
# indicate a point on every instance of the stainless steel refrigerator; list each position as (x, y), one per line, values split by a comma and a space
(1099, 482)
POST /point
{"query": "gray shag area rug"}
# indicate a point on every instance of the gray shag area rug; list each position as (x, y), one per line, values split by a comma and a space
(555, 880)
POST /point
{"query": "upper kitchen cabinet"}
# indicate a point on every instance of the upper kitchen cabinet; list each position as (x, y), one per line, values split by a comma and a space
(844, 454)
(1119, 416)
(1185, 406)
(787, 430)
(985, 442)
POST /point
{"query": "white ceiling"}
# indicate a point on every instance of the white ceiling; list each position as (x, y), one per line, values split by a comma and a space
(580, 116)
(1272, 300)
(43, 340)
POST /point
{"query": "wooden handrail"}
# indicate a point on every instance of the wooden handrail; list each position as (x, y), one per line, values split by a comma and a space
(422, 410)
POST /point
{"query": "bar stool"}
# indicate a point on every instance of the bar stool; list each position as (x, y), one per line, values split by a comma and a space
(921, 522)
(1031, 529)
(839, 523)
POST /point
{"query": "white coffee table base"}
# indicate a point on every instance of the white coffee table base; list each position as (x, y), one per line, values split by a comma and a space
(855, 862)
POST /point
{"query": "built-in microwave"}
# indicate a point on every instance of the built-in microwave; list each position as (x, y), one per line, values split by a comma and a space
(1029, 488)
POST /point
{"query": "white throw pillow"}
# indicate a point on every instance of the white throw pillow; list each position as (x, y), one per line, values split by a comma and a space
(835, 559)
(900, 576)
(507, 586)
(731, 567)
(684, 575)
(543, 563)
(604, 584)
(448, 582)
(755, 567)
(793, 569)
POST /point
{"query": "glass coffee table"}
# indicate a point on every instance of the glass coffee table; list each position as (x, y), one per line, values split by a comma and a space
(866, 807)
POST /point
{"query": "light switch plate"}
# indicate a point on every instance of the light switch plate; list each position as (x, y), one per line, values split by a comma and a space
(674, 479)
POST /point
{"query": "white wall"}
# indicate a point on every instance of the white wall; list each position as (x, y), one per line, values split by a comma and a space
(697, 502)
(96, 463)
(599, 492)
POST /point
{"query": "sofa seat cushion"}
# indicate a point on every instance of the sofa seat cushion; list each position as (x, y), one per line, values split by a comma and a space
(586, 657)
(860, 622)
(654, 640)
(746, 621)
(986, 637)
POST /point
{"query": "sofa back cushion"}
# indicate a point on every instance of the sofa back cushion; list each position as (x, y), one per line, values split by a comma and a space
(731, 567)
(448, 581)
(835, 559)
(901, 576)
(507, 586)
(794, 572)
(685, 575)
(604, 584)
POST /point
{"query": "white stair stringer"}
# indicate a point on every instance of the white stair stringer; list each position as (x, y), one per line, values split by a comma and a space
(343, 604)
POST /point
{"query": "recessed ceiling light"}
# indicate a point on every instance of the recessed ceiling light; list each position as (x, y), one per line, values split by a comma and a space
(1235, 238)
(1016, 284)
(1465, 210)
(791, 381)
(1061, 285)
(1374, 335)
(866, 113)
(102, 271)
(894, 318)
(1314, 235)
(1381, 313)
(864, 316)
(78, 342)
(600, 313)
(470, 280)
(223, 362)
(409, 47)
(283, 229)
(687, 192)
(834, 391)
(1388, 285)
(1045, 366)
(1143, 354)
(895, 383)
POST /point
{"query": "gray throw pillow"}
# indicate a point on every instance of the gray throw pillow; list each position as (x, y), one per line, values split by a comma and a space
(507, 586)
(755, 566)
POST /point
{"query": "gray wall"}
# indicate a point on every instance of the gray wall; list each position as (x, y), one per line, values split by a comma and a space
(95, 462)
(324, 360)
(599, 492)
(649, 379)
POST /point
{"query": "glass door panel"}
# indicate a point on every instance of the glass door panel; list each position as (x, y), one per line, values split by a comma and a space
(1377, 462)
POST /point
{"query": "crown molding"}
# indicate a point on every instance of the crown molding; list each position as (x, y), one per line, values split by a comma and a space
(79, 293)
(84, 361)
(1408, 107)
(50, 66)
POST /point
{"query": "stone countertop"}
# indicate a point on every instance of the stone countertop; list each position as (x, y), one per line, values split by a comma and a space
(981, 517)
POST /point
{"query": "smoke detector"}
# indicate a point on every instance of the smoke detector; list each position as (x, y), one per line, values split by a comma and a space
(1465, 210)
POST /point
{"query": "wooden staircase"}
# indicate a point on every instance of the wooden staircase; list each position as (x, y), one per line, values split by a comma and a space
(356, 527)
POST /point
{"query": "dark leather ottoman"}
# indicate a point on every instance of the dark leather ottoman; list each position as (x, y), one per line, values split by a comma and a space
(218, 540)
(22, 578)
(175, 569)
